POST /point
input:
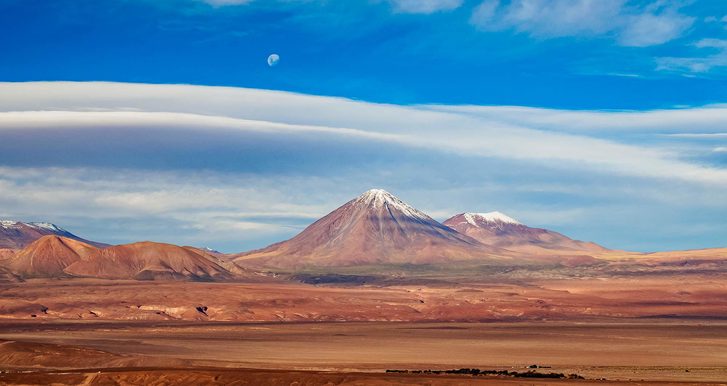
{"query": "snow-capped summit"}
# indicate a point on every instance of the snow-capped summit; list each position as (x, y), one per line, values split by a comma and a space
(17, 234)
(7, 223)
(376, 197)
(379, 198)
(47, 225)
(10, 224)
(495, 216)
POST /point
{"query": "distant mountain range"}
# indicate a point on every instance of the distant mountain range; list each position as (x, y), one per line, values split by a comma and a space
(379, 228)
(375, 229)
(17, 234)
(55, 256)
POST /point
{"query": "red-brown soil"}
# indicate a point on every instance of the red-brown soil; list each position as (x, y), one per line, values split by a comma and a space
(686, 352)
(694, 295)
(256, 377)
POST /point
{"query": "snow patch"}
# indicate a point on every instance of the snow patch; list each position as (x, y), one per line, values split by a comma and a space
(378, 198)
(46, 226)
(472, 218)
(7, 224)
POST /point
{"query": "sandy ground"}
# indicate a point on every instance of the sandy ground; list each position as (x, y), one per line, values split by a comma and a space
(687, 351)
(659, 327)
(703, 296)
(217, 376)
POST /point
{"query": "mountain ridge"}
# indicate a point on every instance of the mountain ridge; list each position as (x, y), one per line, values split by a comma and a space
(17, 234)
(54, 256)
(373, 228)
(499, 230)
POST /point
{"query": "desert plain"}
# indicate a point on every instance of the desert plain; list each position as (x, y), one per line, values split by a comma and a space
(612, 329)
(376, 292)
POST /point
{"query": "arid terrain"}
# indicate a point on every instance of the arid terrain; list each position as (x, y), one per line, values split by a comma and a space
(621, 329)
(376, 292)
(360, 353)
(363, 192)
(696, 296)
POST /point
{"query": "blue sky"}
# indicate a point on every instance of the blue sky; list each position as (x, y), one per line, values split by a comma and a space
(601, 119)
(565, 54)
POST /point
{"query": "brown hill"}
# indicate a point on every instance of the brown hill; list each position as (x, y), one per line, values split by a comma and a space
(374, 228)
(150, 261)
(18, 235)
(49, 256)
(54, 257)
(498, 230)
(225, 261)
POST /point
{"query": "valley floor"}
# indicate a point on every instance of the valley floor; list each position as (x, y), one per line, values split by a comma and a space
(658, 296)
(663, 352)
(662, 329)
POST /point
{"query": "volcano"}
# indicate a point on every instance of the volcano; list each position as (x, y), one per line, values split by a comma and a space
(372, 229)
(498, 230)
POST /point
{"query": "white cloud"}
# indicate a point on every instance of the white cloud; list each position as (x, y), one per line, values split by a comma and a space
(699, 135)
(94, 120)
(649, 25)
(440, 158)
(425, 6)
(648, 29)
(548, 18)
(698, 64)
(194, 207)
(591, 122)
(478, 131)
(222, 3)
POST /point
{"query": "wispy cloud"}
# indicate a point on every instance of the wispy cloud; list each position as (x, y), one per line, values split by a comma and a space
(594, 122)
(652, 24)
(230, 210)
(425, 6)
(94, 120)
(454, 130)
(245, 167)
(403, 6)
(448, 129)
(221, 3)
(699, 135)
(714, 60)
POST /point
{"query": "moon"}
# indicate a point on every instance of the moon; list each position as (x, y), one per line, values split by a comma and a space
(273, 60)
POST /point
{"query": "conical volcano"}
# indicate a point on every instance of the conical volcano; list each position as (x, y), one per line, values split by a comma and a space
(374, 228)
